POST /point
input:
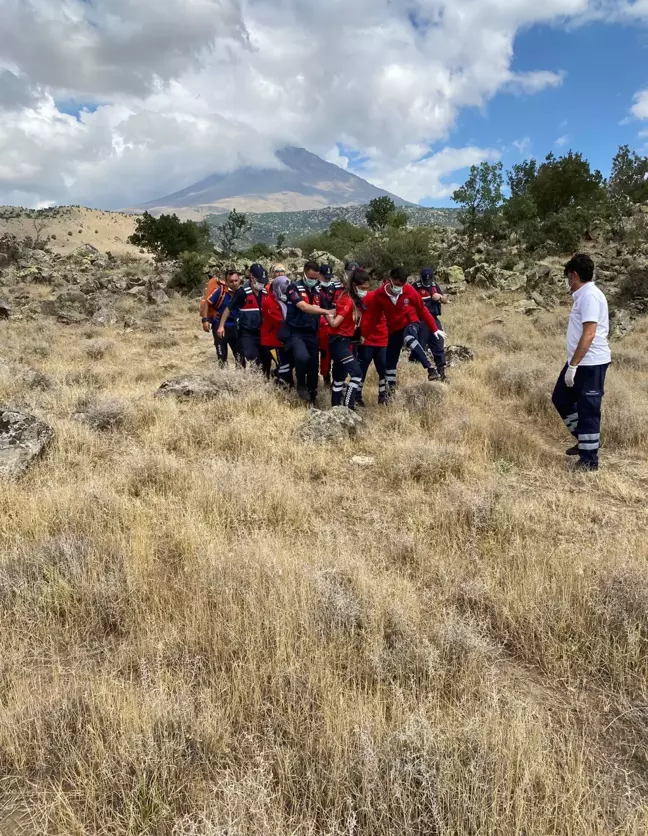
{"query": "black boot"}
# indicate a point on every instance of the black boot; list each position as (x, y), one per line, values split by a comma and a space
(433, 374)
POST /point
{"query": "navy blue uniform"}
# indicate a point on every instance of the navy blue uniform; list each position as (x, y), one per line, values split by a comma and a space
(246, 305)
(427, 339)
(580, 408)
(220, 300)
(303, 336)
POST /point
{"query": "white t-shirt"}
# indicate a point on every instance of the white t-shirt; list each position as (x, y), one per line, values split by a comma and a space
(590, 305)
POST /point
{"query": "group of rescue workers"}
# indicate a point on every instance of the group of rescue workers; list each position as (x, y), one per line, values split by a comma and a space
(318, 324)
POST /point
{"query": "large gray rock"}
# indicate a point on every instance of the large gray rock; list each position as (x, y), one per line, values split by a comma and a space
(22, 439)
(332, 426)
(104, 318)
(5, 309)
(156, 296)
(459, 354)
(322, 257)
(201, 388)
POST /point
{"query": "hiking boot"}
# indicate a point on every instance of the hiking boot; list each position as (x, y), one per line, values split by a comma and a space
(433, 374)
(573, 451)
(312, 397)
(443, 376)
(304, 394)
(586, 467)
(360, 402)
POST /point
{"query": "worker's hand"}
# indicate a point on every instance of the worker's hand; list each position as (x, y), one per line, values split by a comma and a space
(570, 376)
(440, 335)
(437, 297)
(220, 333)
(206, 327)
(362, 340)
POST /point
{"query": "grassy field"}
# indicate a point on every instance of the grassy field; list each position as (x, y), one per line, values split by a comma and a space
(210, 628)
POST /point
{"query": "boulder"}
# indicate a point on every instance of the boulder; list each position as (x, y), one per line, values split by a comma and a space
(459, 354)
(331, 426)
(200, 388)
(290, 252)
(538, 278)
(5, 309)
(104, 318)
(322, 257)
(526, 306)
(70, 317)
(454, 275)
(156, 296)
(22, 439)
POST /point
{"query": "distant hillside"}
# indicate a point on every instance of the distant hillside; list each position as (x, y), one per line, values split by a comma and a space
(294, 225)
(300, 181)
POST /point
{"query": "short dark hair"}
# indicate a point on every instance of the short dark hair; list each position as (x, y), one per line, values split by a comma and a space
(232, 272)
(311, 265)
(582, 265)
(400, 274)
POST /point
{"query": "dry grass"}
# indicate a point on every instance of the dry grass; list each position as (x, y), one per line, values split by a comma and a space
(210, 628)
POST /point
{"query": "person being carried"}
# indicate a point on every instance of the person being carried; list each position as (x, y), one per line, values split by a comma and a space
(433, 297)
(272, 328)
(247, 303)
(404, 311)
(329, 292)
(303, 314)
(373, 333)
(581, 385)
(343, 328)
(218, 297)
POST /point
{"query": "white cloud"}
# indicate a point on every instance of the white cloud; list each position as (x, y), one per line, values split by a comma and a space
(562, 140)
(182, 88)
(522, 146)
(640, 106)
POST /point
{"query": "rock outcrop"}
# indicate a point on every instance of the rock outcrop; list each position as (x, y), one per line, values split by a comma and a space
(331, 426)
(22, 439)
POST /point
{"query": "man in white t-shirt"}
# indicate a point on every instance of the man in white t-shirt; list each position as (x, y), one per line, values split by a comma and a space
(581, 385)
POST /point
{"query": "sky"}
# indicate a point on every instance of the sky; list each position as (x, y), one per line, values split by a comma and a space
(111, 103)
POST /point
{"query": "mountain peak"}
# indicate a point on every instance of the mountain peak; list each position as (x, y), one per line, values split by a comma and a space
(304, 181)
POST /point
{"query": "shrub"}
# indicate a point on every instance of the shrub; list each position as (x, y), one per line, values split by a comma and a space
(191, 270)
(633, 288)
(409, 248)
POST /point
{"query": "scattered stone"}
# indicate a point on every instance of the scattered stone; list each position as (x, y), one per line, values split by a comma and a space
(156, 296)
(459, 354)
(526, 306)
(200, 388)
(104, 318)
(22, 439)
(322, 257)
(331, 426)
(5, 309)
(363, 461)
(72, 318)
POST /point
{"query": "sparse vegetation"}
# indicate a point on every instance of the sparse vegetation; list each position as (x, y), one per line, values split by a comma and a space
(463, 651)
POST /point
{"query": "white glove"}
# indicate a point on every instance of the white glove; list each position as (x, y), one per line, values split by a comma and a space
(570, 376)
(440, 335)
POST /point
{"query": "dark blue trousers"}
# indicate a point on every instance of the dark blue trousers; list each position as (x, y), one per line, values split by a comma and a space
(304, 348)
(436, 346)
(408, 337)
(345, 364)
(367, 353)
(231, 340)
(580, 408)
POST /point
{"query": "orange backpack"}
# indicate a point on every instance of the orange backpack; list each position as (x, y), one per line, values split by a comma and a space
(208, 311)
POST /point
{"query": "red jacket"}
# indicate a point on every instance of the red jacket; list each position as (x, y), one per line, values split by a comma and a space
(407, 310)
(345, 307)
(373, 325)
(271, 322)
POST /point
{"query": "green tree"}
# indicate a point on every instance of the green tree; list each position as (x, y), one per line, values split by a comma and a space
(629, 179)
(380, 211)
(281, 240)
(480, 199)
(167, 236)
(233, 231)
(340, 239)
(563, 182)
(398, 220)
(407, 247)
(191, 270)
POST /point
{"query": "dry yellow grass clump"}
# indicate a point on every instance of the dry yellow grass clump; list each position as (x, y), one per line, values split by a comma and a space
(212, 628)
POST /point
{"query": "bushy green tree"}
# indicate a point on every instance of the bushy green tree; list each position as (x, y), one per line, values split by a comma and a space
(232, 231)
(379, 213)
(340, 239)
(397, 221)
(407, 247)
(167, 236)
(191, 270)
(480, 199)
(565, 181)
(629, 179)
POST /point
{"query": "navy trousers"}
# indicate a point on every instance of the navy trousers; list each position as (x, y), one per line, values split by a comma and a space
(305, 353)
(345, 364)
(580, 408)
(232, 341)
(408, 337)
(436, 346)
(251, 347)
(377, 354)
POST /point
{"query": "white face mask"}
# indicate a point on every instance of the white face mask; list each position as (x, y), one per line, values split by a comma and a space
(395, 291)
(362, 293)
(326, 284)
(568, 283)
(258, 287)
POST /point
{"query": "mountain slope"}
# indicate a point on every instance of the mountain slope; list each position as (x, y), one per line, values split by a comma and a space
(304, 181)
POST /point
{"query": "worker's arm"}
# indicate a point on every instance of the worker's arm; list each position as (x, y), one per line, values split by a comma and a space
(584, 344)
(423, 313)
(223, 320)
(315, 310)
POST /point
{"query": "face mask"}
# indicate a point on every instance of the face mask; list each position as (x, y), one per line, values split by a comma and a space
(258, 287)
(395, 291)
(310, 282)
(283, 297)
(362, 293)
(568, 283)
(326, 284)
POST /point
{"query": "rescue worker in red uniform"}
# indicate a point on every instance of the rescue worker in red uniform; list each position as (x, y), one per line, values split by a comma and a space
(272, 328)
(247, 302)
(433, 297)
(404, 311)
(345, 363)
(373, 333)
(329, 292)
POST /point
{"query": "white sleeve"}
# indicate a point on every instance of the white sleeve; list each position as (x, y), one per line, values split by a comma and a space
(590, 310)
